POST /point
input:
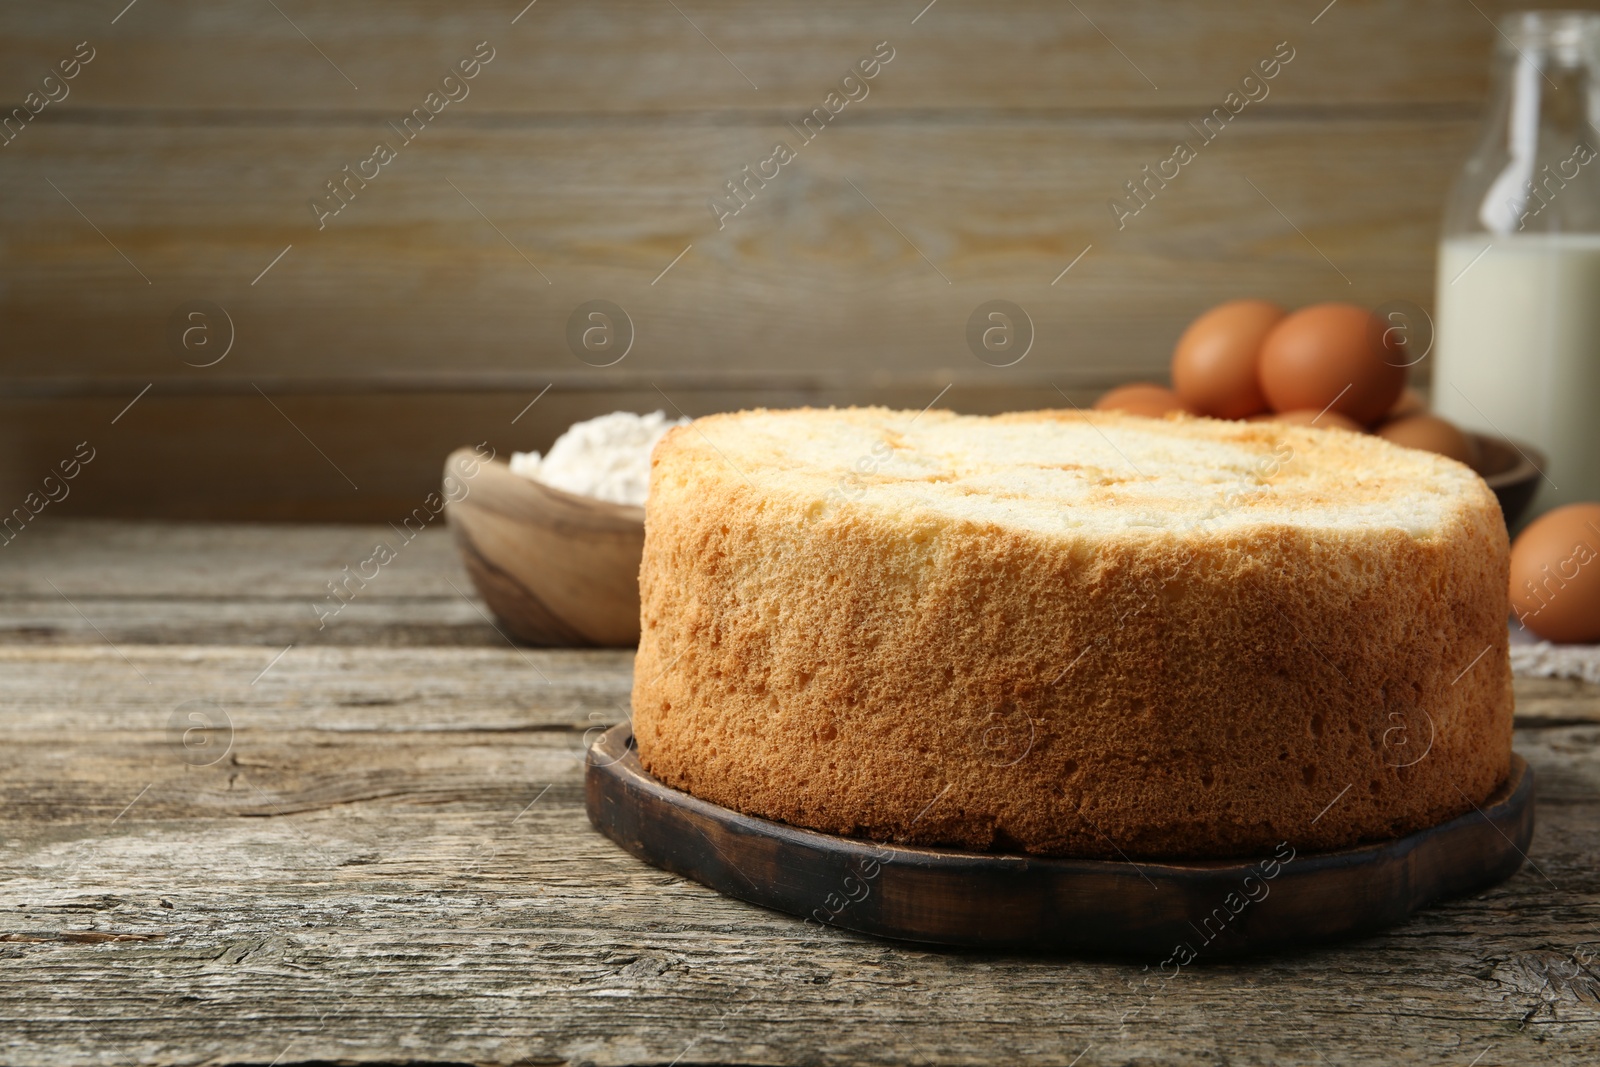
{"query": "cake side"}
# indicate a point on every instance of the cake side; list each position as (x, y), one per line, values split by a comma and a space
(914, 674)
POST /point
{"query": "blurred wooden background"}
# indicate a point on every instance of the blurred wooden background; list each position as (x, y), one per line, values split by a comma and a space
(434, 307)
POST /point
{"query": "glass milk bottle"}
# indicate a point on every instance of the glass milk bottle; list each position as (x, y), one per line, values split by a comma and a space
(1518, 298)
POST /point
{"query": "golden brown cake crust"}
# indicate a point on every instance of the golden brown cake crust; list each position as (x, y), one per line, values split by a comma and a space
(900, 672)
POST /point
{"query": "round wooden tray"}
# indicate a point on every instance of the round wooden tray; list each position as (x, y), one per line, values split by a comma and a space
(1176, 909)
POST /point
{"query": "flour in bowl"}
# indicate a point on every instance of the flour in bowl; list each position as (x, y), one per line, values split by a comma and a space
(607, 458)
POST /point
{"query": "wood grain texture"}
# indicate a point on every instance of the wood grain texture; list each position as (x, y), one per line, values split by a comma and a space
(809, 296)
(809, 278)
(637, 56)
(374, 872)
(67, 582)
(360, 884)
(185, 157)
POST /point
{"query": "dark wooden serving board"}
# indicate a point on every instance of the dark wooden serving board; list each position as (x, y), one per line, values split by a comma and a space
(1176, 910)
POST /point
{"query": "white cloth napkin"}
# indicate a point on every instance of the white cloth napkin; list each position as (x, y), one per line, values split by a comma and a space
(1533, 658)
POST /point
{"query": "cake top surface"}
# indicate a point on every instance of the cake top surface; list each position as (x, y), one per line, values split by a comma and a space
(1085, 472)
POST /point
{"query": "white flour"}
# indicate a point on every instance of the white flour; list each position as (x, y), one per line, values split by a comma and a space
(607, 457)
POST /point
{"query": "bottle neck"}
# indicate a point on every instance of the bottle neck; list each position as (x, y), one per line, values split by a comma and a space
(1537, 167)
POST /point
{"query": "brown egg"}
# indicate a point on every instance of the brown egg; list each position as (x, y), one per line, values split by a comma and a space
(1214, 364)
(1331, 354)
(1140, 398)
(1410, 403)
(1322, 420)
(1431, 434)
(1555, 574)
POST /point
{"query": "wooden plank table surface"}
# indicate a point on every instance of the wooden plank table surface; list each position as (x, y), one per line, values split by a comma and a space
(383, 857)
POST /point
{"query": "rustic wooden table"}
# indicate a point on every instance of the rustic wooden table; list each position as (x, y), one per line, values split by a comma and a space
(379, 855)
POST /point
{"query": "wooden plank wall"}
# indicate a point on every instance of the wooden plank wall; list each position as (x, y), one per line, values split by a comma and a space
(580, 165)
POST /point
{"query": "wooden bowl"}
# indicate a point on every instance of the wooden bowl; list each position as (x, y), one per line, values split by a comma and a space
(556, 568)
(1511, 469)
